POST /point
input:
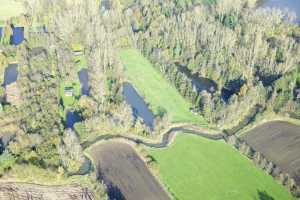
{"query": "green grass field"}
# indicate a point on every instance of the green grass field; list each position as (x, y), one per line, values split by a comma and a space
(69, 101)
(156, 90)
(195, 168)
(10, 8)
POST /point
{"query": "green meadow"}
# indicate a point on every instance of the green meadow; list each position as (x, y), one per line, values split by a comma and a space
(69, 101)
(156, 90)
(197, 168)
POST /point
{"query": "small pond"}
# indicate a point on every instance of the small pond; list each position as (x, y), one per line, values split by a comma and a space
(18, 35)
(11, 74)
(138, 105)
(231, 87)
(84, 80)
(226, 94)
(200, 83)
(291, 5)
(72, 118)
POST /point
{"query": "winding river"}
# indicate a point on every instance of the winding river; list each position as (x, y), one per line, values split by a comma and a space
(165, 140)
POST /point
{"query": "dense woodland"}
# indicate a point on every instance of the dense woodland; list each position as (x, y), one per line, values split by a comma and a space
(250, 55)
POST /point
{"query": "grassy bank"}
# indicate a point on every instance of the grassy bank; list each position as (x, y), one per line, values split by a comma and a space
(155, 89)
(197, 168)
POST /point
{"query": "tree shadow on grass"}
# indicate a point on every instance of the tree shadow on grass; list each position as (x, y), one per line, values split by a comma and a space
(263, 195)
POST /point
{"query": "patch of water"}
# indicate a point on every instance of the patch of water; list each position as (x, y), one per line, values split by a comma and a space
(72, 118)
(18, 35)
(84, 80)
(1, 30)
(199, 83)
(138, 105)
(290, 5)
(11, 74)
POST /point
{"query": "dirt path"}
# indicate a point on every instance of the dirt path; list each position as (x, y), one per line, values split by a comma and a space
(125, 174)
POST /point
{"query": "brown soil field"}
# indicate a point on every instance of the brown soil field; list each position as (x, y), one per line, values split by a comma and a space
(23, 191)
(279, 142)
(125, 174)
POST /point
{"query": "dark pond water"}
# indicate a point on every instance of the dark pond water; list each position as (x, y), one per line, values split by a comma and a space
(1, 29)
(269, 80)
(291, 5)
(138, 105)
(18, 35)
(200, 83)
(231, 87)
(105, 5)
(11, 74)
(72, 118)
(84, 80)
(226, 94)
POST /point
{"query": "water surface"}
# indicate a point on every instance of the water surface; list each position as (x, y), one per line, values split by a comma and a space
(138, 105)
(1, 29)
(10, 74)
(105, 4)
(72, 118)
(84, 80)
(290, 5)
(18, 35)
(199, 83)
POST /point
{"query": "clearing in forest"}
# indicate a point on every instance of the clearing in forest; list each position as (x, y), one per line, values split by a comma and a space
(10, 8)
(156, 90)
(198, 168)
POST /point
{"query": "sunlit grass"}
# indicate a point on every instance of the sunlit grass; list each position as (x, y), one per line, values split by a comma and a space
(198, 168)
(156, 90)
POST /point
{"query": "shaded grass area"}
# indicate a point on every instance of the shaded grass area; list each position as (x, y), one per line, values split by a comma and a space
(10, 8)
(156, 90)
(198, 168)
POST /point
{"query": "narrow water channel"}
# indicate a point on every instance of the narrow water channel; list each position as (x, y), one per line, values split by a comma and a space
(10, 74)
(138, 105)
